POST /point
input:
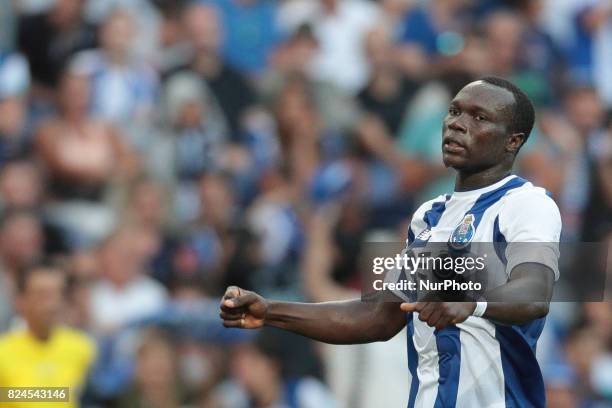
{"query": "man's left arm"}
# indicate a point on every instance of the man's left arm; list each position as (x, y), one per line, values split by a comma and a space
(525, 297)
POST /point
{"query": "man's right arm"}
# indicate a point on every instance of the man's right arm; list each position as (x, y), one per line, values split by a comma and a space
(345, 322)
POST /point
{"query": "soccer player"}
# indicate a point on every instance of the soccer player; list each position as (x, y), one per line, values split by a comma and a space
(460, 354)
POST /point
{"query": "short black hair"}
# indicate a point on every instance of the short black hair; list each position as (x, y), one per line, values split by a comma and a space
(36, 266)
(523, 115)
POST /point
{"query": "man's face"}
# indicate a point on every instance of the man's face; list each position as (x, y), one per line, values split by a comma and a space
(42, 300)
(21, 239)
(203, 28)
(476, 128)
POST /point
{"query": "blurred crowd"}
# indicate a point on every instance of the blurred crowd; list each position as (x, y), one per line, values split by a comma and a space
(159, 150)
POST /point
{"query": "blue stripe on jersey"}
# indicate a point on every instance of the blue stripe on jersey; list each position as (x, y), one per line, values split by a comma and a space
(449, 357)
(523, 381)
(531, 331)
(410, 236)
(432, 216)
(413, 362)
(447, 340)
(499, 242)
(486, 200)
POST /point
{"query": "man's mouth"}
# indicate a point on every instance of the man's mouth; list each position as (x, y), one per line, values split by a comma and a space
(452, 146)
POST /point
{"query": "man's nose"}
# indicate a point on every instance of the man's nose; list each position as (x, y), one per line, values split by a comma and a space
(456, 124)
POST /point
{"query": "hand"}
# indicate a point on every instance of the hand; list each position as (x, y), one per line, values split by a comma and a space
(440, 314)
(243, 309)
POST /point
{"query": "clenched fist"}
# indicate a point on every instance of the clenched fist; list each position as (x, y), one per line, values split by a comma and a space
(243, 309)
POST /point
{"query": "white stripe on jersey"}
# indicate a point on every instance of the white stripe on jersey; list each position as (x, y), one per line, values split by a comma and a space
(425, 345)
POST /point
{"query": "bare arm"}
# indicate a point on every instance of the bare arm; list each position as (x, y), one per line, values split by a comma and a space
(345, 322)
(525, 297)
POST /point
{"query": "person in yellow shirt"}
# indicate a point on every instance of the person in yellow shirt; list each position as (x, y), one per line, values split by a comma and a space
(44, 353)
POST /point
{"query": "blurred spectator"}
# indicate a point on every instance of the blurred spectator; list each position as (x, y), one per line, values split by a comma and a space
(50, 38)
(173, 49)
(208, 244)
(21, 186)
(388, 93)
(234, 94)
(293, 63)
(156, 382)
(146, 20)
(569, 137)
(251, 32)
(123, 88)
(260, 381)
(148, 208)
(198, 131)
(339, 27)
(14, 85)
(300, 129)
(431, 30)
(83, 268)
(81, 157)
(272, 219)
(589, 56)
(44, 353)
(540, 57)
(393, 14)
(598, 212)
(123, 292)
(524, 53)
(21, 242)
(561, 387)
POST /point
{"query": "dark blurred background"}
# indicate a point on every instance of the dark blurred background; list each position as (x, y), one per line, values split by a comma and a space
(161, 150)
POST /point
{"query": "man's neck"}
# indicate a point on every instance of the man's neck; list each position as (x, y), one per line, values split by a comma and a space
(41, 335)
(470, 181)
(207, 64)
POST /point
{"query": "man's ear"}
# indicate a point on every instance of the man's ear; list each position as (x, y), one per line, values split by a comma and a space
(514, 142)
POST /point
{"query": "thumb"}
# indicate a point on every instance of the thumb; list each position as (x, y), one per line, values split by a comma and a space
(408, 307)
(231, 292)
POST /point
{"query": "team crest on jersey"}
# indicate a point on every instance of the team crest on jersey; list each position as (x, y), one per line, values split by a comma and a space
(464, 233)
(424, 235)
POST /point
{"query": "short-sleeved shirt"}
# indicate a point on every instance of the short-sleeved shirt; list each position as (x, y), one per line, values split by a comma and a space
(479, 363)
(61, 361)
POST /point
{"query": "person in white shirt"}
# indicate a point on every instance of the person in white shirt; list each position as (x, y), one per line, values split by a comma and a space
(460, 354)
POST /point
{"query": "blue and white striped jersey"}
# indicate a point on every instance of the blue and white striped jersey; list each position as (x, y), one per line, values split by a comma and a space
(479, 363)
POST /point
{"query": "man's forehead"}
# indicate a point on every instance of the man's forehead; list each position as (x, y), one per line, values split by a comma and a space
(480, 94)
(46, 277)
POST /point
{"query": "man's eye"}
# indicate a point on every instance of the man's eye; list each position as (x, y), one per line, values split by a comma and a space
(480, 118)
(453, 111)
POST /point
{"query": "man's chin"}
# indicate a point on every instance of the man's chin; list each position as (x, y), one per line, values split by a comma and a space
(454, 162)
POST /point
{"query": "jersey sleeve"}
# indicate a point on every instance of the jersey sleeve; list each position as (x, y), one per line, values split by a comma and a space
(530, 223)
